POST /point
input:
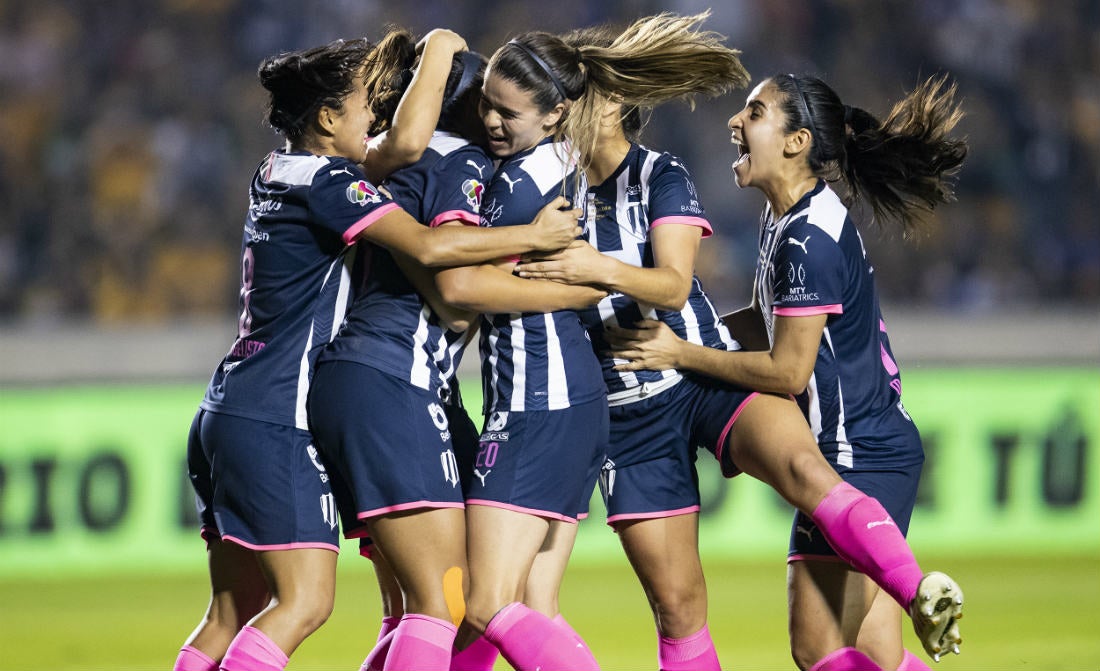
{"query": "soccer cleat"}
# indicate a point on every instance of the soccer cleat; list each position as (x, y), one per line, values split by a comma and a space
(935, 611)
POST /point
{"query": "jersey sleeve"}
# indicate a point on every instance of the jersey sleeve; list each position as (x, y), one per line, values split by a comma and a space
(459, 183)
(512, 199)
(809, 273)
(341, 199)
(673, 198)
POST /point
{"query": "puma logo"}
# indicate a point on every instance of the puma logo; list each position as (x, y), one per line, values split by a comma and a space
(511, 184)
(343, 170)
(804, 530)
(475, 165)
(880, 523)
(793, 241)
(481, 476)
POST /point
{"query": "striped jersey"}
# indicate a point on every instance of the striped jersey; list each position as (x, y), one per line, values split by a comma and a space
(389, 326)
(647, 190)
(303, 212)
(812, 261)
(534, 361)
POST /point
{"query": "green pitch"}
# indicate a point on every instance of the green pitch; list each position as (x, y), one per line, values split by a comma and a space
(1021, 614)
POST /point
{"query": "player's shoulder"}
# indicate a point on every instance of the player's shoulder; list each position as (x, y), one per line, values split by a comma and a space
(304, 168)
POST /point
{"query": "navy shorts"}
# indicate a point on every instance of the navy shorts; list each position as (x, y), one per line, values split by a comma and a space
(387, 440)
(260, 485)
(895, 488)
(650, 466)
(540, 462)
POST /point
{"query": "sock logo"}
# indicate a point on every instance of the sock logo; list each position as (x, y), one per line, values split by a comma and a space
(880, 523)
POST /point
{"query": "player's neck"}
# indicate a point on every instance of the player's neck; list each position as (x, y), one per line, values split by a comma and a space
(606, 159)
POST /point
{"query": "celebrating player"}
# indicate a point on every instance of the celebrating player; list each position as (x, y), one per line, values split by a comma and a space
(644, 216)
(828, 345)
(263, 493)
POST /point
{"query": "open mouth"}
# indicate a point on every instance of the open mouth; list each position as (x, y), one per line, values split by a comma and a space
(742, 151)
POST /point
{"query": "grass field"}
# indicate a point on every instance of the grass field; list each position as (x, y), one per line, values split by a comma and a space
(1021, 614)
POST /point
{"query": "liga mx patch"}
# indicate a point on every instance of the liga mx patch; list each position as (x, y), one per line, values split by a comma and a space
(473, 189)
(361, 193)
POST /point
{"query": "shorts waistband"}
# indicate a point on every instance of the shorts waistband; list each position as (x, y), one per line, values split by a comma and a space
(643, 391)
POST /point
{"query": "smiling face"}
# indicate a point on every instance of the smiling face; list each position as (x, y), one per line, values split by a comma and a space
(512, 120)
(759, 132)
(351, 124)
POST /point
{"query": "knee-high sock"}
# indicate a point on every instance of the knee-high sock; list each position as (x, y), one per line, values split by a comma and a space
(690, 653)
(252, 650)
(193, 659)
(865, 536)
(911, 662)
(845, 659)
(529, 640)
(376, 659)
(421, 643)
(481, 655)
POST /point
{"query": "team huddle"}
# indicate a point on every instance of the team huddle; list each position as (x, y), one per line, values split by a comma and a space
(427, 197)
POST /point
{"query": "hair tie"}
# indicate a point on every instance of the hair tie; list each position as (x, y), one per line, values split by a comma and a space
(545, 67)
(471, 63)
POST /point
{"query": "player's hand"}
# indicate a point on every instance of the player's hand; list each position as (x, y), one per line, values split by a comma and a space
(579, 263)
(555, 228)
(650, 345)
(442, 39)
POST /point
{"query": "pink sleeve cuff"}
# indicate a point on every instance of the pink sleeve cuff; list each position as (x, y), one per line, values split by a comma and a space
(352, 233)
(467, 218)
(836, 309)
(686, 221)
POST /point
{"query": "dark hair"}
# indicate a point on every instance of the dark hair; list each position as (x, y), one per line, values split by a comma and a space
(391, 72)
(302, 82)
(543, 65)
(902, 167)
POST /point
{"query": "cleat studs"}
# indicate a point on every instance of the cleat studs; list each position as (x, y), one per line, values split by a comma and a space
(955, 649)
(935, 657)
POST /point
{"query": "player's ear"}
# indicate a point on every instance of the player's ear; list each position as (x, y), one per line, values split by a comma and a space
(797, 142)
(326, 119)
(553, 117)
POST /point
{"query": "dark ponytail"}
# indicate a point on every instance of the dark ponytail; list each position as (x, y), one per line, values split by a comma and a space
(902, 167)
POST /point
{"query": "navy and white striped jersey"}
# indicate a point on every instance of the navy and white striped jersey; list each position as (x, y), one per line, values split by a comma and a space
(812, 261)
(534, 362)
(389, 326)
(647, 190)
(303, 212)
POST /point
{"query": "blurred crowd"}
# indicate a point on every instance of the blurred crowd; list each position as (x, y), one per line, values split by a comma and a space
(129, 131)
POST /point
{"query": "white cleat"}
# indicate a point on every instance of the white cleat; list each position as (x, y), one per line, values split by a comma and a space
(935, 611)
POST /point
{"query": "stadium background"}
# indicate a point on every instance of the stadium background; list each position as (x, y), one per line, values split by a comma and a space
(130, 128)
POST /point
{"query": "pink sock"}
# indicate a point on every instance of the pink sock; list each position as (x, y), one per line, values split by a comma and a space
(911, 662)
(529, 640)
(481, 655)
(376, 659)
(864, 535)
(845, 659)
(560, 620)
(421, 643)
(252, 650)
(691, 653)
(193, 659)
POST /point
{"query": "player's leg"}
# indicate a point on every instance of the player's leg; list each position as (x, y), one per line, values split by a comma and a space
(664, 553)
(392, 606)
(547, 572)
(880, 636)
(503, 544)
(827, 603)
(771, 441)
(425, 548)
(238, 593)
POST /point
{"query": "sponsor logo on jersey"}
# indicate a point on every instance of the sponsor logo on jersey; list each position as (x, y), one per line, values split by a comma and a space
(473, 189)
(491, 212)
(362, 192)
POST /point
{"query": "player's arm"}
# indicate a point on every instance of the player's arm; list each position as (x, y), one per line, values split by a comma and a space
(417, 113)
(553, 228)
(785, 368)
(493, 289)
(665, 286)
(424, 280)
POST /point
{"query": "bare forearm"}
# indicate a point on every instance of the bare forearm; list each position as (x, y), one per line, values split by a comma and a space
(754, 370)
(490, 290)
(663, 288)
(423, 280)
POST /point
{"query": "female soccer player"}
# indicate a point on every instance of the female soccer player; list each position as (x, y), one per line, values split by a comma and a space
(379, 395)
(828, 345)
(263, 493)
(543, 387)
(645, 218)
